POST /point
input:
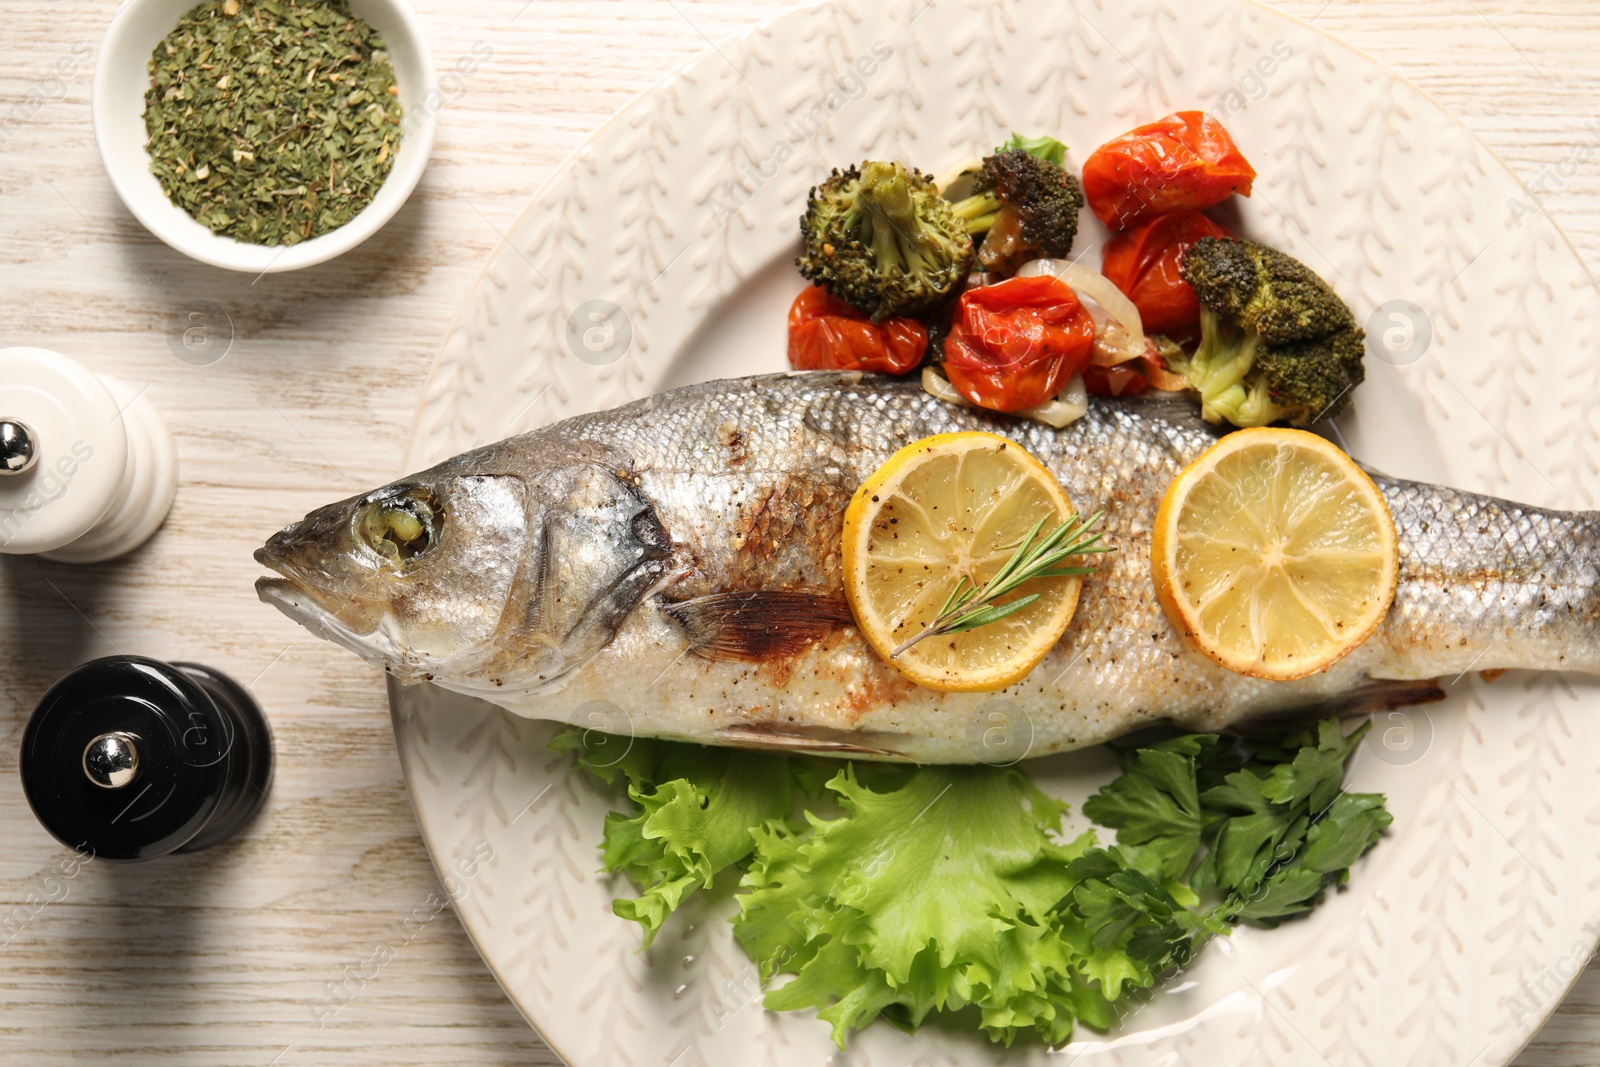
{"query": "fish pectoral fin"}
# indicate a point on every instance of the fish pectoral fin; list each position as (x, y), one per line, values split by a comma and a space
(757, 625)
(1373, 694)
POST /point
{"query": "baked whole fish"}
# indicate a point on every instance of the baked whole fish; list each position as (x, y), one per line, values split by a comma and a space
(671, 568)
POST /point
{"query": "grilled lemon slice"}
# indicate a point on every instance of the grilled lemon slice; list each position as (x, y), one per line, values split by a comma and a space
(1274, 553)
(946, 507)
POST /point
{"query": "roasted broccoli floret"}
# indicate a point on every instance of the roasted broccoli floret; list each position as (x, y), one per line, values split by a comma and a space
(882, 239)
(1276, 342)
(1024, 205)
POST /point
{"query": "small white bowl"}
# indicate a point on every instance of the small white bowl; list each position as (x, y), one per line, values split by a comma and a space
(122, 75)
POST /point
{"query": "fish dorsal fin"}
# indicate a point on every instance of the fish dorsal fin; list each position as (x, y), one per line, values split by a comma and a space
(757, 625)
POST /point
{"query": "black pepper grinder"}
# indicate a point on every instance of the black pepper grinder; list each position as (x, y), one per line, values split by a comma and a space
(130, 758)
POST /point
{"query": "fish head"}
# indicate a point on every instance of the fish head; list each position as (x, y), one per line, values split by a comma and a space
(480, 574)
(412, 575)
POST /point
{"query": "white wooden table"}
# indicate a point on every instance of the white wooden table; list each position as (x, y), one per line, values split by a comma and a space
(230, 957)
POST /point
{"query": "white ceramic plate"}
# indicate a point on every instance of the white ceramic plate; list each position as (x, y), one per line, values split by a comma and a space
(660, 255)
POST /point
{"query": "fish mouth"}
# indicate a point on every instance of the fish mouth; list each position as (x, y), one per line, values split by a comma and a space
(292, 598)
(294, 594)
(305, 600)
(310, 609)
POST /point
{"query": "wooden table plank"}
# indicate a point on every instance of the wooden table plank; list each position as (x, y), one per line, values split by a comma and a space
(258, 953)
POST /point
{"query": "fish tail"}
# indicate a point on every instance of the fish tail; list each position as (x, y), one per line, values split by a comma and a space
(1486, 585)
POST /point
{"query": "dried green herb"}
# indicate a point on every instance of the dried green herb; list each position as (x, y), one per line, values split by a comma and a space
(272, 121)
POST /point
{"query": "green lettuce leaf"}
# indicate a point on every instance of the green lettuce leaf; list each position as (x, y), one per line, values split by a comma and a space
(904, 892)
(695, 813)
(932, 893)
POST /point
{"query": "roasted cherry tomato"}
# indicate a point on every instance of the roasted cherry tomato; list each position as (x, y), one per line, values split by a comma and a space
(1184, 162)
(1015, 344)
(1144, 264)
(825, 333)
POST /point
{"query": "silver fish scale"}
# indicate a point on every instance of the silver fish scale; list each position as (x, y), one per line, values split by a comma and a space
(834, 425)
(750, 478)
(1488, 584)
(1472, 568)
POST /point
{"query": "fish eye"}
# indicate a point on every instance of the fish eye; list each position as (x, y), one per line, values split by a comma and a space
(400, 526)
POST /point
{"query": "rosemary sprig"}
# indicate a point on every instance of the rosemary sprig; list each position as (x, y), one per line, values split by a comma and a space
(968, 606)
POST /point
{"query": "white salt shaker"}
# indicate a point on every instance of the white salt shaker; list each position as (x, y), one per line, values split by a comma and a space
(87, 467)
